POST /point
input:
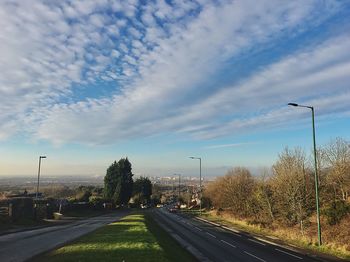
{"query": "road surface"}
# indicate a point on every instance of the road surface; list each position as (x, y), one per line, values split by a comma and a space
(222, 244)
(22, 246)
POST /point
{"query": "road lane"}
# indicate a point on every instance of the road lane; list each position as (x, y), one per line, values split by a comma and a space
(219, 244)
(21, 246)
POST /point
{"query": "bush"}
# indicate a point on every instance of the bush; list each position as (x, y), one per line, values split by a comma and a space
(21, 208)
(336, 211)
(96, 201)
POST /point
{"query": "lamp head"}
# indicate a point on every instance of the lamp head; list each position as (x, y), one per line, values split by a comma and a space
(293, 104)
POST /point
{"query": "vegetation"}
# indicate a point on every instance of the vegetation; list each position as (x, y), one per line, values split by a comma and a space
(283, 199)
(142, 191)
(135, 238)
(118, 182)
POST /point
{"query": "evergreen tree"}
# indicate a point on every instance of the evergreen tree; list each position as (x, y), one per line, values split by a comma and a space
(118, 182)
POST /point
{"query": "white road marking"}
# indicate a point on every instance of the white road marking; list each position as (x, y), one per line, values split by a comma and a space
(210, 235)
(266, 241)
(256, 241)
(213, 223)
(231, 229)
(288, 253)
(198, 228)
(227, 243)
(254, 256)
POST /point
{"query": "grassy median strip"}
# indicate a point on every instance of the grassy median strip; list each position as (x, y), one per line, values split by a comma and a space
(134, 238)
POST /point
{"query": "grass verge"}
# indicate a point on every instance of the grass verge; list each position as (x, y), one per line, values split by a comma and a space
(134, 238)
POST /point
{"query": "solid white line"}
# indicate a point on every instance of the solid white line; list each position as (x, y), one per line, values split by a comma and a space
(288, 253)
(210, 235)
(267, 241)
(198, 228)
(256, 242)
(227, 243)
(254, 256)
(213, 223)
(231, 229)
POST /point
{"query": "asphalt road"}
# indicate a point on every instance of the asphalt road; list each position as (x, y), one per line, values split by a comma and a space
(221, 244)
(22, 246)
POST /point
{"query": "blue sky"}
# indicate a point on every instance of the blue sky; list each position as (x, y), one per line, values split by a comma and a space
(88, 82)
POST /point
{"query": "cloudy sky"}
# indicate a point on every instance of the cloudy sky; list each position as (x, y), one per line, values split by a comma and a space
(88, 82)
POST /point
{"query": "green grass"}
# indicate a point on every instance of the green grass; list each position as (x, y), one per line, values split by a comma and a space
(134, 238)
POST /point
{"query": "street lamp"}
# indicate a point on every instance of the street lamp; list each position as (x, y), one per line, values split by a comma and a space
(200, 183)
(316, 173)
(179, 184)
(37, 187)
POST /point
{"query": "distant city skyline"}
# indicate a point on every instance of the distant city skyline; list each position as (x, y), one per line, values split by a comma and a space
(89, 82)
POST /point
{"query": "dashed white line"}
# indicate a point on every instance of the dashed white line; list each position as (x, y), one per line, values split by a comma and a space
(288, 253)
(210, 235)
(256, 241)
(227, 243)
(198, 228)
(254, 256)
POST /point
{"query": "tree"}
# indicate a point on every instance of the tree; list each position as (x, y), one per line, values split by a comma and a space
(290, 183)
(143, 188)
(118, 182)
(337, 157)
(233, 191)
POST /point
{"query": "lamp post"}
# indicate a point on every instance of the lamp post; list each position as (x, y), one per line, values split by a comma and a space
(179, 184)
(200, 183)
(37, 187)
(316, 173)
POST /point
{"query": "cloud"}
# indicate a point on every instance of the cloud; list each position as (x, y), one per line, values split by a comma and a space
(162, 61)
(230, 145)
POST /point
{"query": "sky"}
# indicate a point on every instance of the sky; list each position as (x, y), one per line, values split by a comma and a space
(89, 82)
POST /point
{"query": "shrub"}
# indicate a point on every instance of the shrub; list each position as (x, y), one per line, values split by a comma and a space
(336, 211)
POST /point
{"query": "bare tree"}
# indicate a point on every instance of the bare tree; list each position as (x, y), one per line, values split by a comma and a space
(290, 186)
(336, 154)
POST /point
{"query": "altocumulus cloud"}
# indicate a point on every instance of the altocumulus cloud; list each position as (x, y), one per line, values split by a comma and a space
(162, 63)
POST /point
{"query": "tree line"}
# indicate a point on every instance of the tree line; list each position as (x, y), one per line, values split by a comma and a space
(285, 194)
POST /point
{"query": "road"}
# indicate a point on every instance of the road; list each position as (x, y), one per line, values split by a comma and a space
(222, 244)
(22, 246)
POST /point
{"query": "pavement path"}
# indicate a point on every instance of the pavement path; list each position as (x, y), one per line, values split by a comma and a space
(21, 246)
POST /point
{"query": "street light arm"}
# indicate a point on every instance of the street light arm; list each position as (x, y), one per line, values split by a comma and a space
(295, 104)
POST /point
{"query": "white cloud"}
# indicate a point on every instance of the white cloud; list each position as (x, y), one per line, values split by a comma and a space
(159, 67)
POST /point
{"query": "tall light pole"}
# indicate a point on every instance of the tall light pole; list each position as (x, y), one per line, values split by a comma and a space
(316, 173)
(37, 187)
(179, 184)
(200, 183)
